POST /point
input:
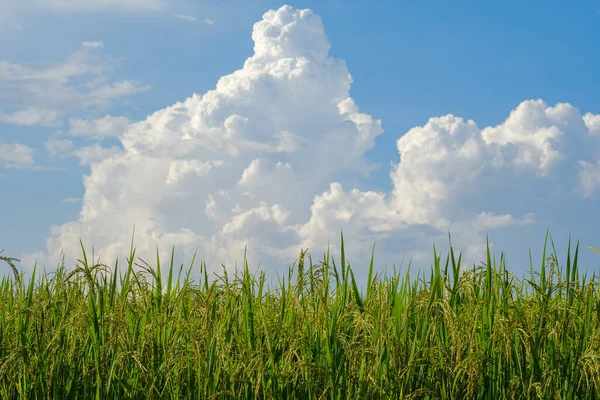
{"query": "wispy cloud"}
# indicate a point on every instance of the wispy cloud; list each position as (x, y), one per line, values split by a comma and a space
(15, 12)
(92, 45)
(31, 116)
(71, 200)
(100, 128)
(91, 154)
(58, 147)
(192, 18)
(43, 94)
(185, 17)
(80, 6)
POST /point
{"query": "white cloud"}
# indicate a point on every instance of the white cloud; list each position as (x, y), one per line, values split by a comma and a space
(589, 178)
(16, 13)
(58, 147)
(448, 155)
(486, 220)
(100, 128)
(95, 153)
(15, 155)
(92, 45)
(593, 123)
(106, 93)
(185, 17)
(78, 6)
(208, 21)
(71, 200)
(44, 94)
(179, 168)
(532, 132)
(282, 108)
(253, 162)
(31, 116)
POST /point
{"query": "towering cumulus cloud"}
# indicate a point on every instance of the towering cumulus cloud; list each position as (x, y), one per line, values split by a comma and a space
(238, 165)
(255, 162)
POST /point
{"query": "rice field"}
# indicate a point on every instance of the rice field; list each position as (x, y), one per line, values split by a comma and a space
(479, 332)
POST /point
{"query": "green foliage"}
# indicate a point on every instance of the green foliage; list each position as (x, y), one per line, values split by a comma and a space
(93, 333)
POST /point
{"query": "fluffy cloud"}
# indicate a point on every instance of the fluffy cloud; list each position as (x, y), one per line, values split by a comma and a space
(178, 169)
(531, 133)
(15, 155)
(254, 162)
(44, 94)
(593, 123)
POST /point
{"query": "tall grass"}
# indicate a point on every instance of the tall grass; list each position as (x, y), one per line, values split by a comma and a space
(96, 333)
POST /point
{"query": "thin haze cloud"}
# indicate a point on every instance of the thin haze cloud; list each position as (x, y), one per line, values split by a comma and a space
(185, 17)
(92, 45)
(16, 12)
(71, 200)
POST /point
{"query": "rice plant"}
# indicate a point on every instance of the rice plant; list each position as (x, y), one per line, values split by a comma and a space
(98, 332)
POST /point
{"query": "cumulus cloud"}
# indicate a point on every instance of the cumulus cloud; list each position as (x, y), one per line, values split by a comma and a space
(531, 133)
(593, 123)
(254, 162)
(100, 128)
(178, 169)
(15, 155)
(34, 94)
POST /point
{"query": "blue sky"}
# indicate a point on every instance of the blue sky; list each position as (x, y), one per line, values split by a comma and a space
(78, 81)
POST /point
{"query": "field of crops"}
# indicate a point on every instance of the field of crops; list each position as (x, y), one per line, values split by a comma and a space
(458, 333)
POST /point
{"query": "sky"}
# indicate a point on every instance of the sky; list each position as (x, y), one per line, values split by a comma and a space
(213, 126)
